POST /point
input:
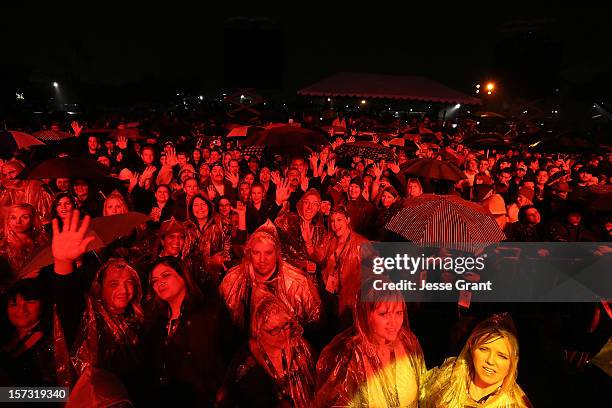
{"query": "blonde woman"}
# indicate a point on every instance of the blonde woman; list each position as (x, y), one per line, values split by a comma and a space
(21, 236)
(484, 374)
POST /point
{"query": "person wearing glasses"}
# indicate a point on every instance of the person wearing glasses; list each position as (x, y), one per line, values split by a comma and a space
(277, 366)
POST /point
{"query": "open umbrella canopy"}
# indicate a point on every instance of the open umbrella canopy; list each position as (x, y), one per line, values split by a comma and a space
(104, 229)
(66, 167)
(288, 140)
(130, 133)
(12, 140)
(244, 131)
(487, 141)
(432, 168)
(365, 149)
(595, 198)
(446, 221)
(566, 143)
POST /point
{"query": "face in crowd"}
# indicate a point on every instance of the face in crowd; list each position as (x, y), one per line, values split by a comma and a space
(354, 191)
(162, 194)
(491, 361)
(64, 208)
(340, 224)
(118, 288)
(173, 244)
(257, 193)
(167, 283)
(20, 220)
(385, 322)
(23, 313)
(264, 257)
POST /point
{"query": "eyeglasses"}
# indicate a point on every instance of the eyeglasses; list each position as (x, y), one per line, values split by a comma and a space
(312, 203)
(275, 331)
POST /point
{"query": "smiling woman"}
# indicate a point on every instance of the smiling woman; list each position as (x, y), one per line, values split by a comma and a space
(484, 374)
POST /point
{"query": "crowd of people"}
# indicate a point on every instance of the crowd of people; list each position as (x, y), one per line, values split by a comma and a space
(242, 287)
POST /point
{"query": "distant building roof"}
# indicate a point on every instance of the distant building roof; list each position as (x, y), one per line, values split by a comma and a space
(386, 87)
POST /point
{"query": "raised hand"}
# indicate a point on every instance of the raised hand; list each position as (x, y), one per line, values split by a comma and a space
(331, 167)
(171, 159)
(134, 179)
(240, 209)
(394, 167)
(304, 183)
(232, 178)
(70, 243)
(377, 171)
(212, 192)
(314, 159)
(122, 142)
(76, 128)
(375, 138)
(351, 139)
(282, 191)
(276, 178)
(155, 214)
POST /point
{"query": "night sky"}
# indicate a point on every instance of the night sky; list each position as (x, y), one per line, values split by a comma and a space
(456, 43)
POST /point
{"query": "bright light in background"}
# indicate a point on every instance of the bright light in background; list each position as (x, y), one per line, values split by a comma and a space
(55, 85)
(363, 101)
(457, 106)
(489, 92)
(201, 97)
(477, 86)
(328, 99)
(490, 86)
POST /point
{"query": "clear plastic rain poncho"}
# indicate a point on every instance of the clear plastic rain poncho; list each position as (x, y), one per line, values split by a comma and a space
(241, 290)
(448, 385)
(105, 338)
(297, 381)
(350, 372)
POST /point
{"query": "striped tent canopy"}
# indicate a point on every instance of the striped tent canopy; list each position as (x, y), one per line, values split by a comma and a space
(446, 221)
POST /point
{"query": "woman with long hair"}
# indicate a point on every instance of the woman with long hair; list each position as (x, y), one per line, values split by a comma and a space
(205, 239)
(22, 235)
(377, 362)
(484, 374)
(188, 339)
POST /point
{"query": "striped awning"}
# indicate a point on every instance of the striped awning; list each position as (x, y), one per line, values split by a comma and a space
(446, 221)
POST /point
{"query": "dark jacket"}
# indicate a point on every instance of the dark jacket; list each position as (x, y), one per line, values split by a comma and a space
(187, 368)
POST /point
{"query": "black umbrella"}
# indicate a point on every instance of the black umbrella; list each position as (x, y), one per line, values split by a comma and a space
(566, 143)
(67, 167)
(432, 168)
(369, 150)
(595, 198)
(285, 140)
